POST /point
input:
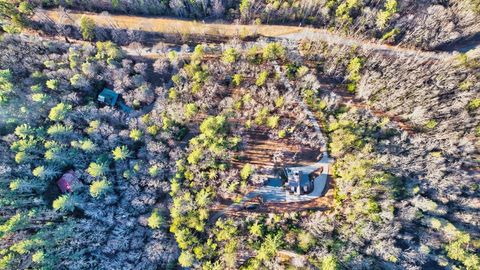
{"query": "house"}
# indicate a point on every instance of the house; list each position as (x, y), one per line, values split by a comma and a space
(112, 98)
(298, 182)
(108, 97)
(68, 182)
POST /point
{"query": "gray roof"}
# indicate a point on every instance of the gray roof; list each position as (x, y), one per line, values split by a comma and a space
(296, 178)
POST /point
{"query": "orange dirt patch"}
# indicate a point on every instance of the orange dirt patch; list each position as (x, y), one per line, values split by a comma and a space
(259, 150)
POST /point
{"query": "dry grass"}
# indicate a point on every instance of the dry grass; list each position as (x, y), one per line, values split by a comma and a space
(175, 26)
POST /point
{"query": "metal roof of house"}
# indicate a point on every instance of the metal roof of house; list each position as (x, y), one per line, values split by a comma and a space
(108, 96)
(297, 178)
(67, 182)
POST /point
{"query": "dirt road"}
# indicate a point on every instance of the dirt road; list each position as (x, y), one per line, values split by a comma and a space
(186, 27)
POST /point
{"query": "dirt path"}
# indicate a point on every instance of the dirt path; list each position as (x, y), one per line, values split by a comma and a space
(185, 28)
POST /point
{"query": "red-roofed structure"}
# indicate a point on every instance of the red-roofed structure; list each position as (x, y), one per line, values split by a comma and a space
(67, 182)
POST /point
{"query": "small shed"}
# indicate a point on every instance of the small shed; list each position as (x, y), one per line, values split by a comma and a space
(108, 97)
(68, 182)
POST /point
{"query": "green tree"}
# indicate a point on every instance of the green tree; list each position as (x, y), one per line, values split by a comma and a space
(329, 262)
(64, 203)
(190, 110)
(384, 16)
(212, 126)
(246, 171)
(6, 85)
(17, 222)
(262, 78)
(121, 153)
(87, 28)
(354, 67)
(230, 55)
(474, 104)
(14, 15)
(237, 79)
(136, 134)
(52, 84)
(108, 51)
(38, 257)
(97, 169)
(272, 121)
(431, 124)
(155, 220)
(195, 156)
(202, 198)
(44, 173)
(244, 8)
(256, 229)
(254, 55)
(273, 51)
(186, 259)
(99, 188)
(59, 112)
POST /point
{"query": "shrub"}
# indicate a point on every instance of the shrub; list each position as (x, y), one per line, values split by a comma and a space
(282, 134)
(99, 188)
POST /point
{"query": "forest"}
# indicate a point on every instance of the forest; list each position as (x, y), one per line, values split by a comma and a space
(113, 158)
